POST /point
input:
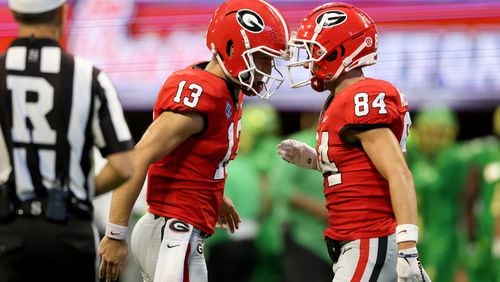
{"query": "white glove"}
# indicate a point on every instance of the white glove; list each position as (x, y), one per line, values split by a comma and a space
(298, 153)
(409, 267)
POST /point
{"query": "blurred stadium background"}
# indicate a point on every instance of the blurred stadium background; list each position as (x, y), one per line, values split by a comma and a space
(437, 52)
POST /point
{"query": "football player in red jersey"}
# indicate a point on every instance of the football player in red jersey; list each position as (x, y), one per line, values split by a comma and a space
(194, 134)
(372, 213)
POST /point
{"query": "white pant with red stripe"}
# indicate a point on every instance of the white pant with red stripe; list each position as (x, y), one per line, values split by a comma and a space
(372, 259)
(168, 250)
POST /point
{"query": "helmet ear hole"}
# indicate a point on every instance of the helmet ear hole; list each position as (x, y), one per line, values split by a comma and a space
(229, 48)
(342, 50)
(332, 56)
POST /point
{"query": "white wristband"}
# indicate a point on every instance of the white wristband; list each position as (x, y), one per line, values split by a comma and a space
(406, 232)
(115, 231)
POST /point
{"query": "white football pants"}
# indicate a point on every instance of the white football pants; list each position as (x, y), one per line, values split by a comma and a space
(168, 250)
(372, 259)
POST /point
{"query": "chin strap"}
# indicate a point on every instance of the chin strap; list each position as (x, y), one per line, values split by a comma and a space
(221, 64)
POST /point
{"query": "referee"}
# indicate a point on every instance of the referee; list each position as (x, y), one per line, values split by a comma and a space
(54, 109)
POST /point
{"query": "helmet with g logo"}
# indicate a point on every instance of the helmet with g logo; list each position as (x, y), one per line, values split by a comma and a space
(238, 30)
(332, 40)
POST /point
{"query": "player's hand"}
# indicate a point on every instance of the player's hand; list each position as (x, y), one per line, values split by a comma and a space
(298, 153)
(228, 216)
(112, 253)
(409, 267)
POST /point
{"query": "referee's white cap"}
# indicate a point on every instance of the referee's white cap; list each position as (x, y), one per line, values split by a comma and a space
(34, 6)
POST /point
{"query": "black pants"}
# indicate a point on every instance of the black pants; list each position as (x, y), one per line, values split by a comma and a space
(33, 249)
(301, 265)
(232, 261)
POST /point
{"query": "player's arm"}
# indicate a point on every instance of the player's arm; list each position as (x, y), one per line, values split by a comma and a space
(496, 228)
(228, 218)
(384, 151)
(470, 196)
(118, 169)
(309, 205)
(167, 132)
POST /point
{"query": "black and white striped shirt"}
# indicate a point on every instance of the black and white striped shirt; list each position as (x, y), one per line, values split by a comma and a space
(54, 108)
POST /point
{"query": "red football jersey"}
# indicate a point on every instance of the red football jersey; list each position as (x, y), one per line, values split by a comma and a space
(357, 196)
(188, 183)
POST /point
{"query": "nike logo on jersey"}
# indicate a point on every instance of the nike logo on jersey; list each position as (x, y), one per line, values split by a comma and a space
(172, 246)
(115, 233)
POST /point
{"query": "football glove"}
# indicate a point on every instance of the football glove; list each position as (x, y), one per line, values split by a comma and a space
(298, 153)
(409, 267)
